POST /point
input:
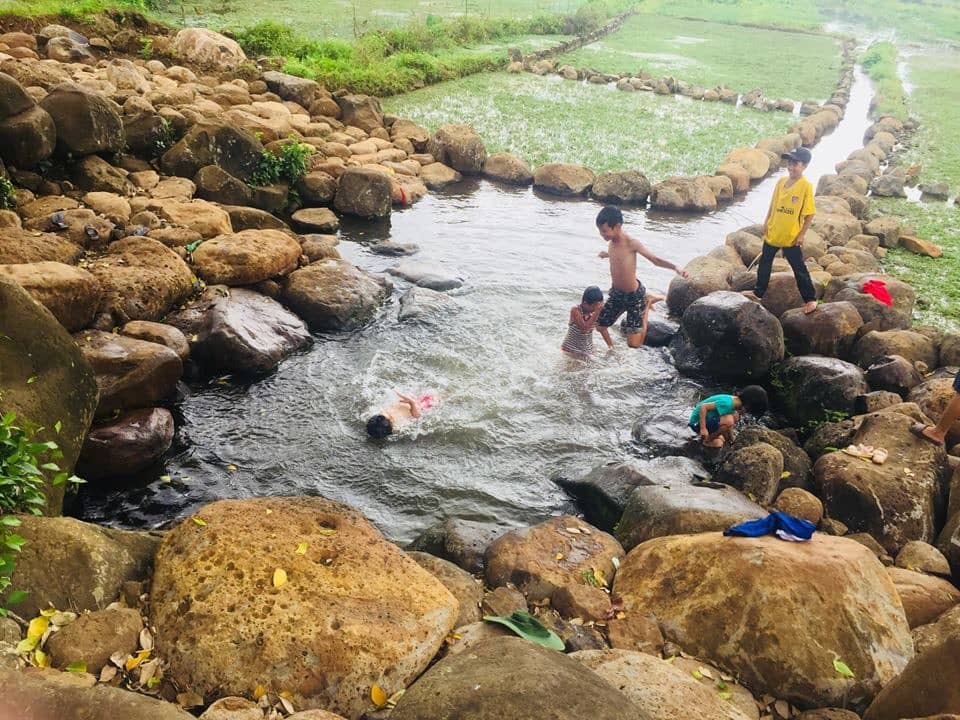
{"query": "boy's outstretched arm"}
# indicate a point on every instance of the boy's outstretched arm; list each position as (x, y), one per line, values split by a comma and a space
(410, 402)
(605, 334)
(658, 261)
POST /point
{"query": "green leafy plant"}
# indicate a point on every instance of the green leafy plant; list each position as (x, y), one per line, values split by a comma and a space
(23, 462)
(288, 165)
(7, 199)
(165, 138)
(146, 48)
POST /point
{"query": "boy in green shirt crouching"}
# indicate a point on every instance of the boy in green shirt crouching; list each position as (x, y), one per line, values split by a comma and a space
(713, 418)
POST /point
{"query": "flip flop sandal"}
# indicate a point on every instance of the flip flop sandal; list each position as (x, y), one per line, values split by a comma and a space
(57, 222)
(529, 628)
(879, 456)
(918, 428)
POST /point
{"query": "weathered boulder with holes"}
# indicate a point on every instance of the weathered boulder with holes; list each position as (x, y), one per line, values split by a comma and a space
(87, 122)
(70, 293)
(362, 111)
(126, 444)
(898, 501)
(239, 330)
(656, 686)
(334, 295)
(246, 257)
(73, 565)
(924, 597)
(682, 509)
(835, 227)
(563, 179)
(235, 150)
(684, 194)
(726, 336)
(625, 187)
(508, 678)
(876, 315)
(365, 193)
(460, 147)
(72, 696)
(602, 494)
(754, 161)
(27, 137)
(921, 690)
(831, 330)
(462, 542)
(754, 470)
(130, 373)
(773, 597)
(45, 378)
(913, 346)
(207, 48)
(528, 557)
(141, 279)
(379, 618)
(508, 168)
(462, 585)
(811, 387)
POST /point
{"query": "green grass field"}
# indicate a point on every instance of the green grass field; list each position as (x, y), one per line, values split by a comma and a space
(793, 14)
(346, 18)
(547, 120)
(880, 62)
(782, 64)
(919, 20)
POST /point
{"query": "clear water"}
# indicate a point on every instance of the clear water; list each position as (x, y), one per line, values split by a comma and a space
(514, 411)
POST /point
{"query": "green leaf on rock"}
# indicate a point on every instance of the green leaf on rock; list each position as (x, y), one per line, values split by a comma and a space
(842, 668)
(77, 667)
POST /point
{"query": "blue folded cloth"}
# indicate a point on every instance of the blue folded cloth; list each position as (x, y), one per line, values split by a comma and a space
(784, 526)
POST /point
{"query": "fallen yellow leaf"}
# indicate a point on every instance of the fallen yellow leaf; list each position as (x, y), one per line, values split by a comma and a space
(378, 696)
(326, 531)
(559, 556)
(38, 626)
(200, 521)
(135, 660)
(258, 692)
(40, 658)
(279, 577)
(302, 549)
(231, 468)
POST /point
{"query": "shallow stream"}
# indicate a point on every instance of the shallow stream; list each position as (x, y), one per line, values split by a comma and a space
(514, 412)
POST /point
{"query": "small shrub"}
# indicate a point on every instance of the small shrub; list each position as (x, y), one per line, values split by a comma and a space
(146, 48)
(288, 165)
(23, 461)
(7, 199)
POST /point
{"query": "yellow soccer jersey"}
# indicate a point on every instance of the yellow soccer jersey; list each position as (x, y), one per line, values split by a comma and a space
(789, 206)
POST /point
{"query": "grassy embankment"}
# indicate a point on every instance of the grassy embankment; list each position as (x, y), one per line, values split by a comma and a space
(788, 14)
(915, 20)
(880, 63)
(67, 9)
(709, 53)
(934, 99)
(550, 120)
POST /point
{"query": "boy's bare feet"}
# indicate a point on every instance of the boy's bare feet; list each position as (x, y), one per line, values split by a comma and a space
(751, 295)
(653, 299)
(809, 307)
(715, 443)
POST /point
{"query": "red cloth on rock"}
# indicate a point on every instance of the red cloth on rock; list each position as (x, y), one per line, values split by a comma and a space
(878, 290)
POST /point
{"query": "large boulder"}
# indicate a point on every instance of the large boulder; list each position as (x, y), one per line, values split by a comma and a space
(22, 246)
(239, 330)
(528, 557)
(230, 592)
(508, 168)
(898, 501)
(563, 179)
(295, 89)
(755, 162)
(130, 373)
(625, 187)
(726, 336)
(45, 378)
(72, 696)
(207, 48)
(126, 444)
(797, 465)
(893, 373)
(217, 185)
(925, 598)
(835, 228)
(246, 257)
(508, 678)
(362, 111)
(462, 585)
(87, 122)
(706, 274)
(70, 293)
(333, 294)
(683, 193)
(793, 609)
(460, 147)
(913, 346)
(199, 216)
(923, 688)
(94, 174)
(141, 279)
(754, 470)
(93, 637)
(73, 565)
(876, 315)
(462, 542)
(13, 98)
(830, 331)
(812, 388)
(659, 688)
(682, 509)
(28, 137)
(602, 494)
(932, 396)
(364, 192)
(235, 150)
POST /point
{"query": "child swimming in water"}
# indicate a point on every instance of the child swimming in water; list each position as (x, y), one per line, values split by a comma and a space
(399, 414)
(583, 320)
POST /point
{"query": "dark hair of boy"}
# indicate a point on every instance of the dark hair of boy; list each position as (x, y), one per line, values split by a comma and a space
(610, 216)
(754, 399)
(379, 426)
(591, 295)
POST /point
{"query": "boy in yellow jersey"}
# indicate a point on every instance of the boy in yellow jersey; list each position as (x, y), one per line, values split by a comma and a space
(791, 211)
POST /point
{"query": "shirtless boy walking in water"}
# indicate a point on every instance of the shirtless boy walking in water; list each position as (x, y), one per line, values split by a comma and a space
(627, 294)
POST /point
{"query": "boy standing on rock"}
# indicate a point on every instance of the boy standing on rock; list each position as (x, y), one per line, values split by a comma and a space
(790, 214)
(627, 294)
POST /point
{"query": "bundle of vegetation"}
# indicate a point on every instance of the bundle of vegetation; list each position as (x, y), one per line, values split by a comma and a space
(880, 63)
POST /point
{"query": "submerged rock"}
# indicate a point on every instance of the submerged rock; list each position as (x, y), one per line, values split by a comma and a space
(426, 276)
(126, 444)
(334, 295)
(462, 542)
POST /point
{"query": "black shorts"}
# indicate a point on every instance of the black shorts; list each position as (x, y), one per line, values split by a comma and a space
(620, 302)
(956, 383)
(713, 424)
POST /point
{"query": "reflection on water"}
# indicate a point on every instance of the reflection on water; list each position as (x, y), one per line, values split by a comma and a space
(514, 411)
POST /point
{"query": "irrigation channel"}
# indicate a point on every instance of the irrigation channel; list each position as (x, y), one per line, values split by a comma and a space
(513, 412)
